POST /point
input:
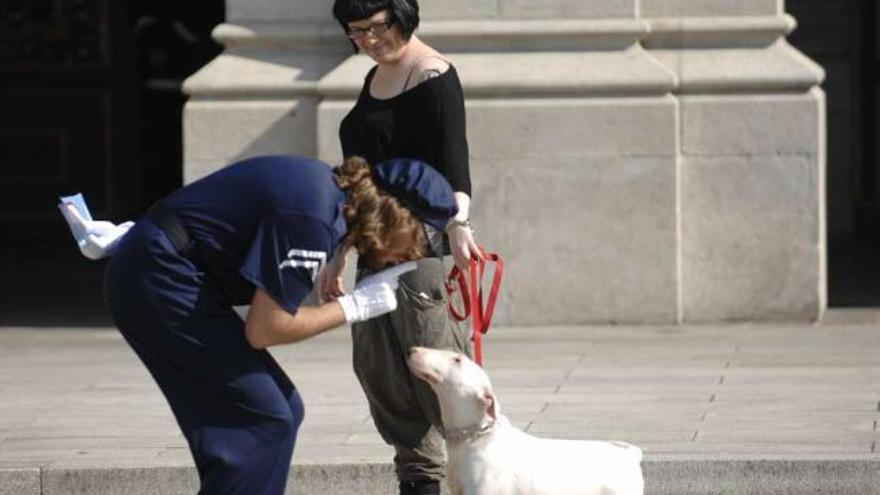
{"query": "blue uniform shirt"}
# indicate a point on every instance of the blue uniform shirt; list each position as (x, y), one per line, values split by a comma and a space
(270, 222)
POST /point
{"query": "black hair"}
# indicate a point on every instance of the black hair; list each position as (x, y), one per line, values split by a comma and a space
(404, 13)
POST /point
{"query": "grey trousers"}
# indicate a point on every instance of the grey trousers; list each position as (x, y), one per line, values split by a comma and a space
(404, 408)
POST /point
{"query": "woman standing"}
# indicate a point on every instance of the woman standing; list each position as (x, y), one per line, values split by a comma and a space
(258, 232)
(411, 105)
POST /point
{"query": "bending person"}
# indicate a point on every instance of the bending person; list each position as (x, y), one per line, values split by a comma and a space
(258, 232)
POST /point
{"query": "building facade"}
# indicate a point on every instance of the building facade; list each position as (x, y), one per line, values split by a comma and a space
(634, 161)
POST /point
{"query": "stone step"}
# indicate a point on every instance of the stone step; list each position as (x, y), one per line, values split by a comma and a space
(850, 476)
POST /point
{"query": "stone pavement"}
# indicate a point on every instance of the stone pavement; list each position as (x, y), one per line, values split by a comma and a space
(739, 408)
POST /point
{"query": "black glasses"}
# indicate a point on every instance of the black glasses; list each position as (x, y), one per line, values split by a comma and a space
(376, 28)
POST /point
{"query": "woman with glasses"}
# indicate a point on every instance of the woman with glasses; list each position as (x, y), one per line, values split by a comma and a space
(411, 105)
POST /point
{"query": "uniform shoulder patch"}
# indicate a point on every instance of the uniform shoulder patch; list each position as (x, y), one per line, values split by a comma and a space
(313, 261)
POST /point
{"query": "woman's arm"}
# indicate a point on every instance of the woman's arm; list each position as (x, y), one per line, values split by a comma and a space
(269, 324)
(461, 237)
(451, 139)
(329, 282)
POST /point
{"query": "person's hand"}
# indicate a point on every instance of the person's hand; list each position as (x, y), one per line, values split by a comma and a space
(463, 246)
(374, 295)
(95, 238)
(330, 285)
(101, 237)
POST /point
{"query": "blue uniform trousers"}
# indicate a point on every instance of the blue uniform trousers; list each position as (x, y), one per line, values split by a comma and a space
(236, 407)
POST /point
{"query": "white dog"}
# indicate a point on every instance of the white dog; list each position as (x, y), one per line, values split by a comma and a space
(489, 456)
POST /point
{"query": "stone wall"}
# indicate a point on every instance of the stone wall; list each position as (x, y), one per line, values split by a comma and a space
(657, 161)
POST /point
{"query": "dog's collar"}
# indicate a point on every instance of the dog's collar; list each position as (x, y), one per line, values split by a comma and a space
(469, 432)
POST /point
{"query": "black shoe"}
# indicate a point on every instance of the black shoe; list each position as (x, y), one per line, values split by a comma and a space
(421, 487)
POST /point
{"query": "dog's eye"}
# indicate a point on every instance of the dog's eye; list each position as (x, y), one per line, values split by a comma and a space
(457, 359)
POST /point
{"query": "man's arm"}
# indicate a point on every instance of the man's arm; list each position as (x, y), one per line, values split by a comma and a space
(269, 324)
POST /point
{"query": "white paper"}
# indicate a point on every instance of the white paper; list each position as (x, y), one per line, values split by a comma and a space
(95, 239)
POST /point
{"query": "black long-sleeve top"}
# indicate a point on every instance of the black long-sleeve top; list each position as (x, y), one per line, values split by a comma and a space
(426, 122)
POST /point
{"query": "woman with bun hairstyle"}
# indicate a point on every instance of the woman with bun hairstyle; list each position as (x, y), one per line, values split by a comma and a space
(258, 232)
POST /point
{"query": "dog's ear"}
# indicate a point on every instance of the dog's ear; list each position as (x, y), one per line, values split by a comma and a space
(491, 405)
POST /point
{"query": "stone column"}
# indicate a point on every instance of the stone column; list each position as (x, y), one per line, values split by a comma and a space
(752, 151)
(259, 96)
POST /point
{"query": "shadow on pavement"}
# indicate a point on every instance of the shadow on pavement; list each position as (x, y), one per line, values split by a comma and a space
(51, 288)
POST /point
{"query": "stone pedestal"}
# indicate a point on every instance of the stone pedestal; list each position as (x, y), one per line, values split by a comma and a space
(752, 152)
(259, 96)
(653, 161)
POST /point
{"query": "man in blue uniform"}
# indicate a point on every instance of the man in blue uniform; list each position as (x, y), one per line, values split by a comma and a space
(258, 232)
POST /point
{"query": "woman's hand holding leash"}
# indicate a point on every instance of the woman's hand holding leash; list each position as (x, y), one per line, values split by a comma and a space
(463, 245)
(461, 235)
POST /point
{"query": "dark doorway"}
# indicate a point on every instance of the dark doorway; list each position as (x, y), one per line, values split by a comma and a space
(841, 36)
(173, 41)
(91, 98)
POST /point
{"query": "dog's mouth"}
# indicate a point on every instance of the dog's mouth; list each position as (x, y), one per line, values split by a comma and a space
(422, 372)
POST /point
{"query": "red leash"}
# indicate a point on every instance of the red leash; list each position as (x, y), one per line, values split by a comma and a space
(472, 297)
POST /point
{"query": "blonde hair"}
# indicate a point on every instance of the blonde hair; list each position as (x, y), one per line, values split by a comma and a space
(377, 222)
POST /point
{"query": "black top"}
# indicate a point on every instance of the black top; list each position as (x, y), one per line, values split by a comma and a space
(426, 122)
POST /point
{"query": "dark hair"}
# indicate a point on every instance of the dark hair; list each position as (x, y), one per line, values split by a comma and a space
(404, 13)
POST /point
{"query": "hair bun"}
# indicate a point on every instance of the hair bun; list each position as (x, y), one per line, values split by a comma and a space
(354, 173)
